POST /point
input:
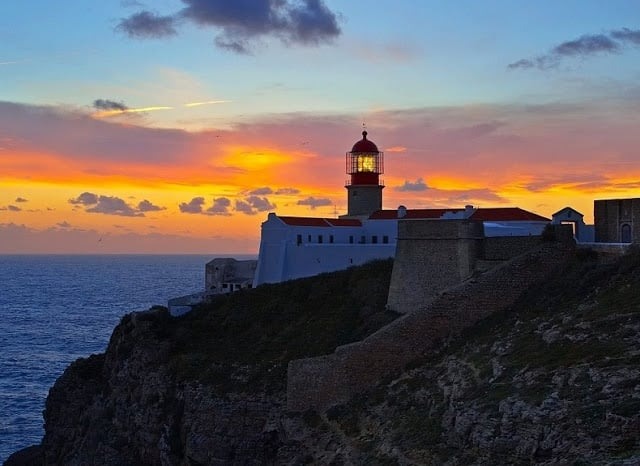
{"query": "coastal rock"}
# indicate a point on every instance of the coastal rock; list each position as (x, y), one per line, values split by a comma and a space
(125, 407)
(30, 456)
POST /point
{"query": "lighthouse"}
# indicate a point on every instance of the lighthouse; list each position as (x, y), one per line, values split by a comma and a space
(365, 164)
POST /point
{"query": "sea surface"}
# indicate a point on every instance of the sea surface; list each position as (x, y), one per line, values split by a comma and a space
(57, 308)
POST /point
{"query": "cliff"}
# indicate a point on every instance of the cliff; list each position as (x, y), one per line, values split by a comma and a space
(553, 379)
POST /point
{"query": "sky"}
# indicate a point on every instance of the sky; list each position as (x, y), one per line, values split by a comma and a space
(176, 126)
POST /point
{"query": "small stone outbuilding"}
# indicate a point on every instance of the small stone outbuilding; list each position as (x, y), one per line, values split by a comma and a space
(226, 275)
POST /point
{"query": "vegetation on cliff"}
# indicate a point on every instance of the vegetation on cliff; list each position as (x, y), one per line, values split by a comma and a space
(553, 380)
(264, 328)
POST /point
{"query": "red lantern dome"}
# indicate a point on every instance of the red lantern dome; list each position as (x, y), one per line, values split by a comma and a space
(365, 162)
(364, 145)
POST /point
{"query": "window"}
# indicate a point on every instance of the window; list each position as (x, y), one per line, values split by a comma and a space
(366, 163)
(331, 238)
(309, 238)
(625, 233)
(351, 239)
(299, 240)
(385, 239)
(225, 285)
(374, 239)
(319, 238)
(363, 239)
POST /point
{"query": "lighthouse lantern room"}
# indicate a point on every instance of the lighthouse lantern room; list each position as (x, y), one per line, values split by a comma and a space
(365, 164)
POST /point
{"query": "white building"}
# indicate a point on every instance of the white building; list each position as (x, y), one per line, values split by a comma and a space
(295, 247)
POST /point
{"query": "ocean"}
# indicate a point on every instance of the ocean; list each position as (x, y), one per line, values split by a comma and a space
(57, 308)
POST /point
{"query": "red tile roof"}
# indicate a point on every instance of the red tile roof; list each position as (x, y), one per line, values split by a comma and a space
(411, 213)
(495, 214)
(506, 214)
(344, 222)
(320, 222)
(304, 221)
(491, 214)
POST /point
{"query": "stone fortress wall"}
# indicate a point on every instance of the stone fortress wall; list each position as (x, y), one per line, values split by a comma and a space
(433, 255)
(502, 248)
(456, 299)
(613, 216)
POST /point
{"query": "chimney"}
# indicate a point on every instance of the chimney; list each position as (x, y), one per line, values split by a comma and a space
(468, 210)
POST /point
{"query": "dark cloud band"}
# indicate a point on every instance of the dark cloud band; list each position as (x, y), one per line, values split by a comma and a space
(240, 22)
(315, 202)
(418, 185)
(584, 46)
(106, 104)
(147, 25)
(112, 205)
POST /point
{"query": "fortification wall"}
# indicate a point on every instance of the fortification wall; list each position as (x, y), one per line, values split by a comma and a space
(327, 380)
(501, 248)
(431, 255)
(610, 249)
(611, 214)
(606, 220)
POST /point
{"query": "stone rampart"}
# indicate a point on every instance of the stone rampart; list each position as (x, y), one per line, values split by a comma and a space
(502, 248)
(327, 380)
(611, 249)
(431, 255)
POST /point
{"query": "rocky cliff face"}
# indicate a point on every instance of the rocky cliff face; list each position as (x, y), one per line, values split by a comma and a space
(126, 407)
(553, 380)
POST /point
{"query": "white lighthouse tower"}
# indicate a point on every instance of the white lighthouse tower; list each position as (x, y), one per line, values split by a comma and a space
(365, 164)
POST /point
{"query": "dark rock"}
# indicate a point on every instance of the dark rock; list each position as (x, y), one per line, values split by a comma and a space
(30, 456)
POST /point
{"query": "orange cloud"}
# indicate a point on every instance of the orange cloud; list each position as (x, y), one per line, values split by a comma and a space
(395, 149)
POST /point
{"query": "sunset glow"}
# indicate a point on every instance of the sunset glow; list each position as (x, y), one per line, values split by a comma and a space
(191, 151)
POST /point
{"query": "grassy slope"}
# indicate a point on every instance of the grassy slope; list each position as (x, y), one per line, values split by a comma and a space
(268, 326)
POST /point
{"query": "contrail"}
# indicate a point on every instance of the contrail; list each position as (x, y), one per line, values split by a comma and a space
(208, 102)
(108, 113)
